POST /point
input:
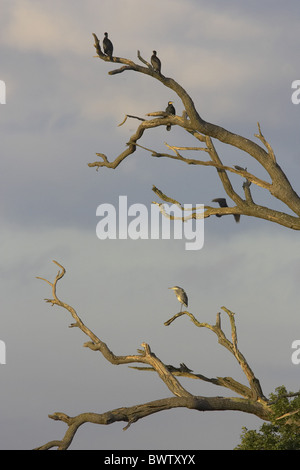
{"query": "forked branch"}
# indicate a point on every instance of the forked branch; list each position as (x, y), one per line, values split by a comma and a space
(278, 184)
(252, 400)
(255, 388)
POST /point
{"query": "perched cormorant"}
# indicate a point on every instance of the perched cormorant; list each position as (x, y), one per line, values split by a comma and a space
(107, 46)
(222, 203)
(170, 110)
(156, 63)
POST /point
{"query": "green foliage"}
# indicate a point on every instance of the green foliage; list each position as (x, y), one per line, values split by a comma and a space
(278, 434)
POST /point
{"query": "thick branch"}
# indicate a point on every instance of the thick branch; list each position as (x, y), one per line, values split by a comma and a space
(133, 414)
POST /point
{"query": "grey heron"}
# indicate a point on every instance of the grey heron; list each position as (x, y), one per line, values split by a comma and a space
(181, 295)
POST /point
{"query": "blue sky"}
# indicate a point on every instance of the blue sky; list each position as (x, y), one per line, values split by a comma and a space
(238, 64)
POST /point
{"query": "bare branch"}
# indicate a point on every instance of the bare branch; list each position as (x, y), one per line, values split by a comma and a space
(227, 382)
(267, 145)
(146, 357)
(291, 413)
(255, 387)
(131, 144)
(255, 210)
(132, 414)
(252, 403)
(248, 195)
(279, 186)
(164, 374)
(130, 116)
(143, 60)
(160, 194)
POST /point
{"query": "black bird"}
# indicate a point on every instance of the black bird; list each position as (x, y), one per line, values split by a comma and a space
(107, 46)
(170, 110)
(222, 203)
(240, 168)
(156, 63)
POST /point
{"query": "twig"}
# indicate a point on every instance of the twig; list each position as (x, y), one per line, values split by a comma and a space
(291, 413)
(143, 60)
(266, 143)
(130, 116)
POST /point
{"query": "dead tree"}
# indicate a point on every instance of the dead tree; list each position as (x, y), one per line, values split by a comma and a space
(278, 184)
(250, 397)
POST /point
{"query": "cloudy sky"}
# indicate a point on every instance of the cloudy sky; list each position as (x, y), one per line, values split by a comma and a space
(238, 64)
